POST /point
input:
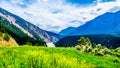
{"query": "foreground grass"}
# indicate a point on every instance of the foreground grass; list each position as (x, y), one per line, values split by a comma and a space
(41, 57)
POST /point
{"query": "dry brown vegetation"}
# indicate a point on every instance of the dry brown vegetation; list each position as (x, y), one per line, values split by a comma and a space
(11, 42)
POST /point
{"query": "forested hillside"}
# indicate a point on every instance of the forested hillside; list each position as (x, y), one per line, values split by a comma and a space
(19, 36)
(110, 41)
(5, 38)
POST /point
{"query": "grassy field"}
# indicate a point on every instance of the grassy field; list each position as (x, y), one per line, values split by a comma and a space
(42, 57)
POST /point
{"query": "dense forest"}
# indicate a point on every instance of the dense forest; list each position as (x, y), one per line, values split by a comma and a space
(20, 37)
(110, 41)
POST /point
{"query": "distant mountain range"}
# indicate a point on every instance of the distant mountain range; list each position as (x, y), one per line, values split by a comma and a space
(108, 23)
(16, 22)
(104, 29)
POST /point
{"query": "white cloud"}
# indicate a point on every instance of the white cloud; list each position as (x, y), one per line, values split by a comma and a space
(50, 14)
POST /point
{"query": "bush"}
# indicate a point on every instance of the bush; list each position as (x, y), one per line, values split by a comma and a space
(84, 44)
(101, 50)
(118, 55)
(86, 48)
(117, 49)
(28, 43)
(84, 41)
(6, 37)
(99, 54)
(77, 47)
(115, 60)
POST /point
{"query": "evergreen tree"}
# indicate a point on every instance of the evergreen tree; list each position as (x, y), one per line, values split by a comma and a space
(2, 27)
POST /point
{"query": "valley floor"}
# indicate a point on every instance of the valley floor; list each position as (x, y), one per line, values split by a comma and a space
(43, 57)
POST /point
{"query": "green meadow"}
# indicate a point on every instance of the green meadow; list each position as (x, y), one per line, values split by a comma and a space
(43, 57)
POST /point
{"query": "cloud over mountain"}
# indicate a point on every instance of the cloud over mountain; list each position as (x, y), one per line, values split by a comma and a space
(55, 15)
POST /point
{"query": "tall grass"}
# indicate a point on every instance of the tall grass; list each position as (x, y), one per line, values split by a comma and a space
(41, 57)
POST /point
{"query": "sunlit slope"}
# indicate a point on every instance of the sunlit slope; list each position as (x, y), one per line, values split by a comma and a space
(11, 42)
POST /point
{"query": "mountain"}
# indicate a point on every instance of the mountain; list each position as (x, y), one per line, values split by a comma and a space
(67, 31)
(110, 41)
(5, 38)
(108, 23)
(33, 31)
(11, 35)
(104, 29)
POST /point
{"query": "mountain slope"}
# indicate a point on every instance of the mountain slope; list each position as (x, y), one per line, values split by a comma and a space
(104, 29)
(110, 41)
(20, 36)
(67, 31)
(28, 28)
(108, 23)
(5, 38)
(11, 42)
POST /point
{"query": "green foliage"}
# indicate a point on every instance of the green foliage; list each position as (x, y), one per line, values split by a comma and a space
(101, 50)
(85, 44)
(2, 27)
(1, 34)
(77, 47)
(28, 43)
(84, 41)
(20, 37)
(42, 57)
(40, 42)
(6, 37)
(115, 60)
(117, 50)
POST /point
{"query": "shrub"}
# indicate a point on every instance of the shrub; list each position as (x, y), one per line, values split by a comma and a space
(28, 43)
(87, 48)
(118, 55)
(84, 41)
(6, 37)
(99, 54)
(84, 44)
(117, 49)
(115, 60)
(1, 34)
(77, 47)
(106, 51)
(101, 50)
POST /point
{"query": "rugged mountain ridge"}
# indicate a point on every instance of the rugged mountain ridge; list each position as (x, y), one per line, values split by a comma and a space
(108, 23)
(67, 31)
(28, 28)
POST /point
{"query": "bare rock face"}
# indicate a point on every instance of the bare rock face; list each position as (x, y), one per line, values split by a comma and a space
(28, 28)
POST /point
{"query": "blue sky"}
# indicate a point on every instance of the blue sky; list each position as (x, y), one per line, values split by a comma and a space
(55, 15)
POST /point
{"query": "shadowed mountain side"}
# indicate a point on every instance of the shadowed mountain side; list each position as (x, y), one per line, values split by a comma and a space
(111, 41)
